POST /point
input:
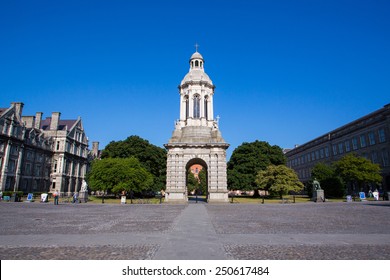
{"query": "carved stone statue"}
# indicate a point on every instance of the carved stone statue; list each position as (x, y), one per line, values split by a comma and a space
(318, 193)
(316, 185)
(84, 186)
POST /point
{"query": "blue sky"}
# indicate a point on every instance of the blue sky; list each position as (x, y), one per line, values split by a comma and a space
(285, 71)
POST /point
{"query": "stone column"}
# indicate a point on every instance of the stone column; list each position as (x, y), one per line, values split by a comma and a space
(19, 169)
(4, 169)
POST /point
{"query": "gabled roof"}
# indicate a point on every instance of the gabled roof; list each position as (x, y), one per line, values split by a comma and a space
(64, 125)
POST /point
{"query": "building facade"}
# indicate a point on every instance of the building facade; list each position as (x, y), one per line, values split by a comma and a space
(196, 138)
(368, 137)
(39, 155)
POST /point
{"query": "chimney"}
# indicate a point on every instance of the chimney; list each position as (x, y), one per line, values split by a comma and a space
(55, 120)
(28, 121)
(18, 108)
(95, 149)
(38, 120)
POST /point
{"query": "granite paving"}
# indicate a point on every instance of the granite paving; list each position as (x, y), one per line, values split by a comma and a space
(356, 230)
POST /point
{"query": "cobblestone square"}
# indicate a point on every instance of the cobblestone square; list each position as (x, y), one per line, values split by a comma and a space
(358, 230)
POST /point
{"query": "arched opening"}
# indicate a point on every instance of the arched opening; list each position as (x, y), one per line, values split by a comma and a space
(196, 107)
(196, 180)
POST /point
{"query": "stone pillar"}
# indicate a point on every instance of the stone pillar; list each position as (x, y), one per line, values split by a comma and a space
(19, 169)
(318, 195)
(4, 169)
(38, 120)
(55, 120)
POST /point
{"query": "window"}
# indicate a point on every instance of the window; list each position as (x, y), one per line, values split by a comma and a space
(347, 146)
(11, 165)
(334, 147)
(58, 145)
(14, 150)
(363, 141)
(385, 158)
(371, 138)
(55, 166)
(317, 155)
(354, 143)
(28, 169)
(382, 136)
(341, 148)
(196, 63)
(196, 107)
(327, 151)
(374, 157)
(38, 170)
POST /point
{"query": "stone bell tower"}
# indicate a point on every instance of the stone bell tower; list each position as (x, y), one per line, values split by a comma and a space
(196, 138)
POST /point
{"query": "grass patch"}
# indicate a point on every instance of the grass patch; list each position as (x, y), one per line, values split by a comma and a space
(111, 200)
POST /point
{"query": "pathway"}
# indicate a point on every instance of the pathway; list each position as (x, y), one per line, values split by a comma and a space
(193, 237)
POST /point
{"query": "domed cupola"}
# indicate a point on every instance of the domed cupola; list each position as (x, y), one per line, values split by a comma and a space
(196, 73)
(196, 61)
(196, 96)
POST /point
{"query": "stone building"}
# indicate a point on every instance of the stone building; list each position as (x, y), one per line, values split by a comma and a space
(196, 138)
(39, 155)
(368, 136)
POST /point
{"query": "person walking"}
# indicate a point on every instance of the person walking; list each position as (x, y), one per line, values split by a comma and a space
(55, 195)
(75, 197)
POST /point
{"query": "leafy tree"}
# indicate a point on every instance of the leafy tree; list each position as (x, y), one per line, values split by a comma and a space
(192, 181)
(197, 183)
(202, 175)
(358, 170)
(278, 180)
(248, 159)
(117, 175)
(153, 158)
(330, 181)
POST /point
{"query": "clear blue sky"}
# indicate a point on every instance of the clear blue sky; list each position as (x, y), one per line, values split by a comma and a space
(285, 71)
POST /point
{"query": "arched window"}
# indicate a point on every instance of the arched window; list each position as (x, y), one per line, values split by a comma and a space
(196, 107)
(206, 111)
(196, 63)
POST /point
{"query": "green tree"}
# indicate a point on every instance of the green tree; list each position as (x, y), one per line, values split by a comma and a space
(248, 159)
(198, 183)
(278, 180)
(358, 170)
(330, 181)
(202, 175)
(192, 181)
(117, 175)
(153, 158)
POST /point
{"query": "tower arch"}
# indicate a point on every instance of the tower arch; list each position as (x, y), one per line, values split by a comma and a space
(196, 138)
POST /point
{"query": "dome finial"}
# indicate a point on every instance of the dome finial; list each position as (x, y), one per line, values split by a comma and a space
(196, 47)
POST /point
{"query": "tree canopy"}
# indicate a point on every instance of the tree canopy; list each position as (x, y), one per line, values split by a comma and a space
(248, 159)
(153, 158)
(331, 182)
(278, 180)
(355, 169)
(199, 183)
(119, 174)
